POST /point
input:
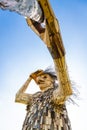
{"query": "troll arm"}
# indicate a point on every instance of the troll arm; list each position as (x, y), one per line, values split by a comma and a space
(51, 36)
(21, 96)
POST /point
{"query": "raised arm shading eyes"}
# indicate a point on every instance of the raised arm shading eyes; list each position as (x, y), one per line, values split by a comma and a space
(21, 96)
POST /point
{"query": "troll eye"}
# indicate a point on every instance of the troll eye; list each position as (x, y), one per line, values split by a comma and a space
(44, 76)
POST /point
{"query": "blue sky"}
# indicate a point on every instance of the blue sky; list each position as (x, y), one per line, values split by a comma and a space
(22, 52)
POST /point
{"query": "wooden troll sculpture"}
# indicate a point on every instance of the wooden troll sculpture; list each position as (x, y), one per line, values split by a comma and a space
(46, 109)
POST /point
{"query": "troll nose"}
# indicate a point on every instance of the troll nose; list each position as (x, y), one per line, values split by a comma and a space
(40, 79)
